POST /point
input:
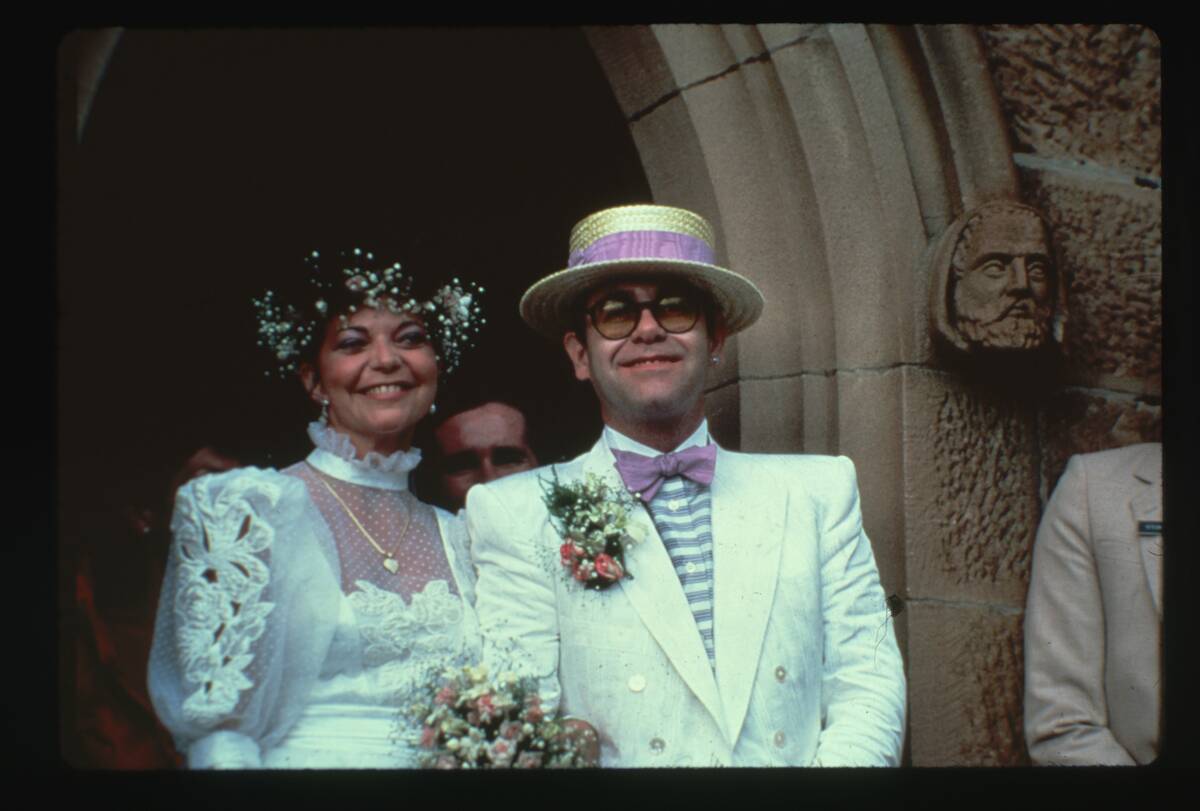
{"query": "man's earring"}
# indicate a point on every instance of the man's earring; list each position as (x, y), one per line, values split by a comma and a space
(433, 408)
(325, 411)
(716, 359)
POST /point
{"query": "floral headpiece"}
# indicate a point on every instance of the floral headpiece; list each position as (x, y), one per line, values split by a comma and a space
(452, 315)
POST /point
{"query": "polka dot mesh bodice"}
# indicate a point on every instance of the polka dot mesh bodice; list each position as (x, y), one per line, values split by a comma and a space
(403, 526)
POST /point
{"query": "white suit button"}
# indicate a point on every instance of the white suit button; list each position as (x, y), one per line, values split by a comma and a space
(780, 673)
(675, 504)
(780, 738)
(637, 683)
(657, 745)
(691, 568)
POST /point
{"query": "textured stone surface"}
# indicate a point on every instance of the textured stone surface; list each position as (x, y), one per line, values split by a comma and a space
(745, 41)
(769, 230)
(1110, 239)
(774, 412)
(775, 35)
(1077, 421)
(901, 228)
(674, 161)
(634, 63)
(965, 686)
(723, 407)
(870, 407)
(1081, 91)
(971, 497)
(969, 112)
(695, 53)
(869, 306)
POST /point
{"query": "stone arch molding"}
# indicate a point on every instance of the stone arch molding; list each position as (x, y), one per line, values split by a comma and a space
(829, 158)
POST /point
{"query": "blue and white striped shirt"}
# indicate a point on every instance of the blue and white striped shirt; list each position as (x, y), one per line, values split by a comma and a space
(682, 514)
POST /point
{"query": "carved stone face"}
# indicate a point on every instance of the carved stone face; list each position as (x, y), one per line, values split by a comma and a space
(1004, 282)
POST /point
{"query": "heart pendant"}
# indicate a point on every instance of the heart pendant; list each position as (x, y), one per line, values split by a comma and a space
(391, 565)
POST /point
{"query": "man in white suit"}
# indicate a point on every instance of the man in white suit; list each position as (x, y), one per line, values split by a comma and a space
(1093, 619)
(748, 626)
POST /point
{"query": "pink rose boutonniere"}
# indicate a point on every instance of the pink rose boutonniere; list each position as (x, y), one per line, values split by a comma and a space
(592, 516)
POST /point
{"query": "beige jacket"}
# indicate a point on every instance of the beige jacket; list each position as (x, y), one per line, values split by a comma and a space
(1093, 620)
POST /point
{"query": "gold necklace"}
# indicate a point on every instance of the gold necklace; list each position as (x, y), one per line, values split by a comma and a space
(389, 562)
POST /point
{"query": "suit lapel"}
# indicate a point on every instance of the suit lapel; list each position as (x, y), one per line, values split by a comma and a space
(656, 595)
(1146, 505)
(748, 518)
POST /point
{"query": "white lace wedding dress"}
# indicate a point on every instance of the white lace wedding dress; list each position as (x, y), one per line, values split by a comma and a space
(281, 639)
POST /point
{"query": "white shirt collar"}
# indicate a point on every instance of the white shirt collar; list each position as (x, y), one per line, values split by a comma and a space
(615, 439)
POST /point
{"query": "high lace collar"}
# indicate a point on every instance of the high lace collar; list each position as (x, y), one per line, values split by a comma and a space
(335, 455)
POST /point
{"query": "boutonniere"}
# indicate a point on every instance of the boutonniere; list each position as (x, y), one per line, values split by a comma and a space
(592, 517)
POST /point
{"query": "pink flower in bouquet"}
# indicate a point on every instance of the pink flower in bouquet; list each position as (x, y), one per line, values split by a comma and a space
(528, 760)
(608, 568)
(533, 710)
(582, 571)
(569, 553)
(510, 730)
(446, 762)
(428, 737)
(446, 695)
(486, 707)
(501, 752)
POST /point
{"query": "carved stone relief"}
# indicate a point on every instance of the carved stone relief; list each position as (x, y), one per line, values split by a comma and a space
(996, 284)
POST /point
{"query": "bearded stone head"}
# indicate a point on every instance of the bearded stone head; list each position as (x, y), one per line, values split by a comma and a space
(996, 285)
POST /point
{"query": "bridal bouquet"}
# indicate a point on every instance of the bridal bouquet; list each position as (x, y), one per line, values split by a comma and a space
(472, 721)
(592, 516)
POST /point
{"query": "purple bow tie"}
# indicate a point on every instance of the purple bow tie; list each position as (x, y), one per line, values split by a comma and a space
(645, 474)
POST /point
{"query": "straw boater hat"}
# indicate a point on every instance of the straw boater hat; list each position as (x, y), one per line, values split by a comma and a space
(631, 241)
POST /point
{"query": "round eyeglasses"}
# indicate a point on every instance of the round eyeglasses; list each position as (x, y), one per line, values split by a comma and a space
(617, 315)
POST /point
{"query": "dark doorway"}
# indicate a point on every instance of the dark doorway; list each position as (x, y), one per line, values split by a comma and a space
(213, 161)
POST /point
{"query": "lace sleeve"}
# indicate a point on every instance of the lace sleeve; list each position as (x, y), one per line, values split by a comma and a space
(247, 583)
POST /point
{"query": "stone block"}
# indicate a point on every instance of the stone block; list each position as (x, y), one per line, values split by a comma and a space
(634, 63)
(972, 474)
(778, 35)
(745, 41)
(965, 685)
(902, 229)
(723, 408)
(768, 228)
(1081, 91)
(869, 433)
(871, 284)
(1076, 421)
(695, 53)
(775, 414)
(1109, 237)
(820, 417)
(673, 159)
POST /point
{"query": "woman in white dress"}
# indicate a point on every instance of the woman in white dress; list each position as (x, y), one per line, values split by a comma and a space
(302, 607)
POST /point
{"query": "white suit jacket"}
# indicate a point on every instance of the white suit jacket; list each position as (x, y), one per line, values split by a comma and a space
(807, 667)
(1093, 618)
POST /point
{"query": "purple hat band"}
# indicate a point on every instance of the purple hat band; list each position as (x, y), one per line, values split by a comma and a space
(643, 245)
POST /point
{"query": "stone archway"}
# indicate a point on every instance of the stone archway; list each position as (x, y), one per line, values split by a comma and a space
(828, 157)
